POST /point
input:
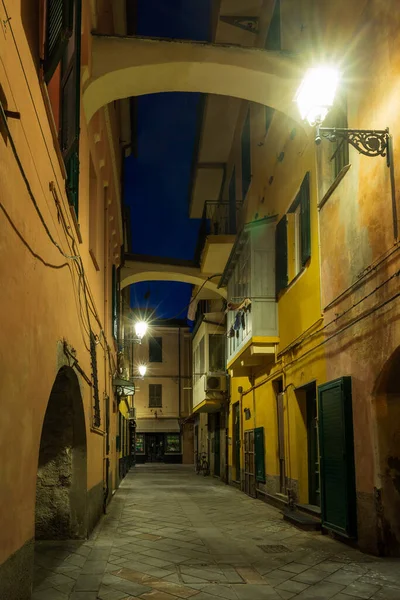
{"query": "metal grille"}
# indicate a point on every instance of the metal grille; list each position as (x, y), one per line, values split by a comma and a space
(95, 380)
(54, 22)
(274, 549)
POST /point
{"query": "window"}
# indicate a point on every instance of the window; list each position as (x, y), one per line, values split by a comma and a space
(155, 350)
(281, 270)
(232, 203)
(216, 353)
(139, 444)
(95, 382)
(93, 215)
(290, 261)
(246, 157)
(198, 362)
(273, 39)
(61, 65)
(155, 395)
(172, 443)
(115, 302)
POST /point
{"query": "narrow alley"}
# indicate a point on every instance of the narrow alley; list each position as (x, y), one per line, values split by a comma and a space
(171, 534)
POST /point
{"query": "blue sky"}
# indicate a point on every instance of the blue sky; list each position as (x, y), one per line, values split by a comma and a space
(157, 181)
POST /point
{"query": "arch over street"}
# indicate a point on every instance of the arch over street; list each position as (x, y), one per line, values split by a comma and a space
(122, 67)
(138, 268)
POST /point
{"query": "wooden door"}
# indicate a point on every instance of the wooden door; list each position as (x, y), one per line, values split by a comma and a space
(249, 464)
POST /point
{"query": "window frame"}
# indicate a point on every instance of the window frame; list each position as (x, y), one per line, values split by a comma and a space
(158, 348)
(152, 395)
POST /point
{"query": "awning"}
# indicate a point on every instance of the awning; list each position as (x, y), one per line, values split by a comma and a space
(157, 425)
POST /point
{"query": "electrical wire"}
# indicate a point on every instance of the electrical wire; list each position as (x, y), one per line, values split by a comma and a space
(185, 308)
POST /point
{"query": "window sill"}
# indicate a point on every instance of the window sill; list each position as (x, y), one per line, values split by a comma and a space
(334, 186)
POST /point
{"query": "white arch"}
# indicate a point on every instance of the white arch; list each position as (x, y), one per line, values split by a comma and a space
(138, 277)
(129, 66)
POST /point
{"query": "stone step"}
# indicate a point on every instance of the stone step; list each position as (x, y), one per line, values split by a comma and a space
(302, 520)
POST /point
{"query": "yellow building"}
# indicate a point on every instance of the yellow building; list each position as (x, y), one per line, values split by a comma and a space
(257, 191)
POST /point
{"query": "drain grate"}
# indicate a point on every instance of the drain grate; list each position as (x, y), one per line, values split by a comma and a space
(274, 549)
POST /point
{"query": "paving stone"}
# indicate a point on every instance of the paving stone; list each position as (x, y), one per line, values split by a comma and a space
(361, 590)
(88, 583)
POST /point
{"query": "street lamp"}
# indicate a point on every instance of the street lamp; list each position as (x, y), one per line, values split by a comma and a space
(142, 370)
(316, 96)
(140, 329)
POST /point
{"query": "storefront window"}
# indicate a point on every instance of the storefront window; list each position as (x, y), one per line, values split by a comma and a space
(173, 442)
(140, 443)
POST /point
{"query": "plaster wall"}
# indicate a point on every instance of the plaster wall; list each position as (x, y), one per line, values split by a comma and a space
(42, 303)
(364, 248)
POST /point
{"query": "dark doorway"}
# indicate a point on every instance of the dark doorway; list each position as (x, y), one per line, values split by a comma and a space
(236, 441)
(217, 445)
(155, 447)
(314, 495)
(61, 486)
(387, 407)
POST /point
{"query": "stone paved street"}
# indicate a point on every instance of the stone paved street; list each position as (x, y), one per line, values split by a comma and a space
(170, 534)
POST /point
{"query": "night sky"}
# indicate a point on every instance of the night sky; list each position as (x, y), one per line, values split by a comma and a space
(157, 181)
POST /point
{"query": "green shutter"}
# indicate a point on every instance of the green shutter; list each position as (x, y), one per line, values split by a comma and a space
(246, 157)
(114, 306)
(259, 453)
(305, 225)
(59, 28)
(70, 96)
(281, 267)
(338, 492)
(72, 183)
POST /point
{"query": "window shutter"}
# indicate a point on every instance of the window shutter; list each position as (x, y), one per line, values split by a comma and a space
(273, 39)
(59, 28)
(305, 225)
(70, 99)
(72, 184)
(338, 492)
(259, 453)
(114, 315)
(281, 267)
(246, 157)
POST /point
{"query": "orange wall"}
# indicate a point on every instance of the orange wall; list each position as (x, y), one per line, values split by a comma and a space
(41, 302)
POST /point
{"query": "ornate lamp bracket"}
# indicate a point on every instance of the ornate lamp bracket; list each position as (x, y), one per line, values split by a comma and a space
(370, 142)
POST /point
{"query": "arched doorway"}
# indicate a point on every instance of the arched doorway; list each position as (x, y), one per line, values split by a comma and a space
(61, 485)
(388, 432)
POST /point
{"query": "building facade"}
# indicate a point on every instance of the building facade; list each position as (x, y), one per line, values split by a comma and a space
(61, 228)
(163, 398)
(306, 236)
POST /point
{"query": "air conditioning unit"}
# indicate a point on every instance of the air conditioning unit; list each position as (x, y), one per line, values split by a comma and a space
(215, 382)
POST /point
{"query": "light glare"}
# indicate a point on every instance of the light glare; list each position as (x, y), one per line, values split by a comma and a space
(142, 370)
(316, 93)
(140, 329)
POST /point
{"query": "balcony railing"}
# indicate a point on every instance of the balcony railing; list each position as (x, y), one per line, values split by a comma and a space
(218, 219)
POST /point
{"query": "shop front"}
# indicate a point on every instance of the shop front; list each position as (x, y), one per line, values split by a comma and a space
(158, 441)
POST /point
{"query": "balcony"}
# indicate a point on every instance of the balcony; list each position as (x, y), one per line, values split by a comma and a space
(209, 375)
(216, 235)
(252, 323)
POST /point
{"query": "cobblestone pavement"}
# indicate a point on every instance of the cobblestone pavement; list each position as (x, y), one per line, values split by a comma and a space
(170, 534)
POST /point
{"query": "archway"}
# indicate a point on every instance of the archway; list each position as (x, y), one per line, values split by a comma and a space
(122, 67)
(61, 485)
(388, 431)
